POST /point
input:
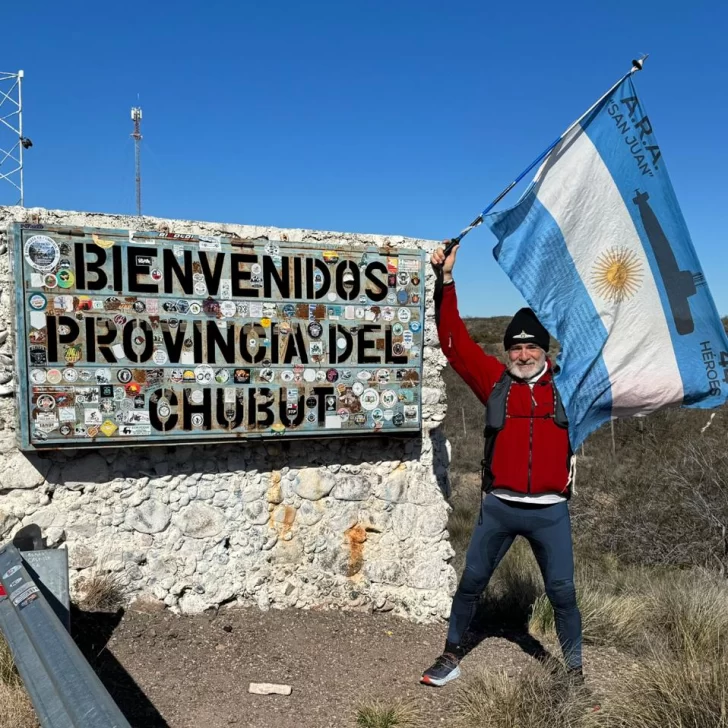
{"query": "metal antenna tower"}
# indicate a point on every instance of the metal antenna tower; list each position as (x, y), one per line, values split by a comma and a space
(136, 117)
(12, 141)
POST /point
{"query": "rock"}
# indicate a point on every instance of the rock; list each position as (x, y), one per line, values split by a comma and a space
(88, 469)
(310, 513)
(430, 396)
(269, 689)
(257, 513)
(384, 572)
(81, 556)
(424, 575)
(150, 517)
(404, 519)
(313, 484)
(7, 521)
(23, 471)
(200, 521)
(351, 489)
(393, 486)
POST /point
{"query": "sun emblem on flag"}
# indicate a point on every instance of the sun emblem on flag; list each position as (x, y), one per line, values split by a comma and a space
(617, 274)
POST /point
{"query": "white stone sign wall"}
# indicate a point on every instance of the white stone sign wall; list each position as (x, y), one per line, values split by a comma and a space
(348, 523)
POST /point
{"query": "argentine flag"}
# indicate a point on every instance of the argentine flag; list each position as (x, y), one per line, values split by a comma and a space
(599, 248)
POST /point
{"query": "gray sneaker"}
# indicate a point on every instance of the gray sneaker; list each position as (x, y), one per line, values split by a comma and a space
(445, 669)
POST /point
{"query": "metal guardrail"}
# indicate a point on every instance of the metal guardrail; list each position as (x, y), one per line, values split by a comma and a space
(65, 691)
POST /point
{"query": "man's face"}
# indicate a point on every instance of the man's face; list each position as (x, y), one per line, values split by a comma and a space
(525, 360)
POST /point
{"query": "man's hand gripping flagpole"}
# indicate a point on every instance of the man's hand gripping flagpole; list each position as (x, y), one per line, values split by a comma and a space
(637, 65)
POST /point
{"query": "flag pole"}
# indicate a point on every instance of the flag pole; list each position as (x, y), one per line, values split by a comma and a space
(637, 65)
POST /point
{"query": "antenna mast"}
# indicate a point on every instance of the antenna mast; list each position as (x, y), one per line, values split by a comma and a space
(136, 117)
(11, 122)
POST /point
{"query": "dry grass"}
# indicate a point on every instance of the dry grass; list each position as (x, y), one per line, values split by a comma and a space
(672, 692)
(376, 714)
(538, 697)
(100, 593)
(16, 710)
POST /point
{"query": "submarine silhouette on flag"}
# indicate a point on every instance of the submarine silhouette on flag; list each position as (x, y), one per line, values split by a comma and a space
(679, 284)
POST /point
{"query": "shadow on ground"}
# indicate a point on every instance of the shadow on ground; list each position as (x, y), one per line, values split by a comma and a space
(92, 632)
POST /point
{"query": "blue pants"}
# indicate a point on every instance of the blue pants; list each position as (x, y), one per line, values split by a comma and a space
(548, 529)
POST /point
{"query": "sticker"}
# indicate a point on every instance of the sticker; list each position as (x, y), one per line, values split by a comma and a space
(411, 411)
(108, 428)
(392, 264)
(241, 376)
(38, 302)
(210, 244)
(138, 430)
(341, 343)
(159, 356)
(360, 418)
(102, 242)
(65, 278)
(222, 376)
(124, 376)
(316, 348)
(404, 315)
(357, 388)
(403, 278)
(197, 420)
(331, 296)
(286, 375)
(12, 570)
(315, 330)
(38, 376)
(54, 376)
(156, 274)
(388, 313)
(332, 375)
(92, 417)
(369, 399)
(343, 414)
(266, 375)
(389, 398)
(204, 374)
(332, 422)
(364, 375)
(382, 376)
(195, 307)
(359, 312)
(136, 417)
(349, 313)
(408, 339)
(398, 349)
(397, 329)
(402, 297)
(377, 414)
(42, 252)
(398, 419)
(132, 389)
(228, 309)
(23, 593)
(67, 414)
(45, 402)
(415, 326)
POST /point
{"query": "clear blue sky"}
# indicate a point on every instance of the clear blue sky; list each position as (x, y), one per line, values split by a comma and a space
(385, 117)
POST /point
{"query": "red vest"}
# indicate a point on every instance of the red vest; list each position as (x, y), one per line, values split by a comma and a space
(528, 450)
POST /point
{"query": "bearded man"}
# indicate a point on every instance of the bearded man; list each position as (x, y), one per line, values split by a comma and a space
(526, 471)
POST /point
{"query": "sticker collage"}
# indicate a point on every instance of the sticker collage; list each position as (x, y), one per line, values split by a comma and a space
(136, 337)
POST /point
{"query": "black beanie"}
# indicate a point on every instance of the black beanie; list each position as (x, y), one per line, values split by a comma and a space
(525, 328)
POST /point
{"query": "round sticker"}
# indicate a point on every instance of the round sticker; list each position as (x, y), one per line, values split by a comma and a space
(132, 389)
(50, 280)
(397, 329)
(320, 375)
(359, 312)
(315, 330)
(256, 268)
(369, 399)
(389, 398)
(197, 396)
(70, 375)
(403, 278)
(65, 278)
(38, 376)
(402, 297)
(204, 374)
(45, 402)
(222, 376)
(176, 375)
(343, 414)
(398, 349)
(54, 376)
(228, 309)
(311, 402)
(200, 290)
(311, 417)
(357, 388)
(38, 301)
(286, 375)
(309, 375)
(164, 410)
(197, 420)
(159, 356)
(391, 298)
(124, 375)
(415, 279)
(377, 415)
(364, 375)
(341, 343)
(331, 296)
(360, 418)
(42, 252)
(404, 315)
(382, 376)
(85, 374)
(332, 375)
(266, 375)
(156, 274)
(195, 308)
(415, 326)
(289, 310)
(65, 429)
(388, 313)
(398, 419)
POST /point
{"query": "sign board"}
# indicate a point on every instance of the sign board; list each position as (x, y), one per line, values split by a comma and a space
(129, 337)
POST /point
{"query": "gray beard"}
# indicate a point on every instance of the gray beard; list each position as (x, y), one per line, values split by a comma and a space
(513, 370)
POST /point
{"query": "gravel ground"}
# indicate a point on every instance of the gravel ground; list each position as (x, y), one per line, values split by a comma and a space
(167, 670)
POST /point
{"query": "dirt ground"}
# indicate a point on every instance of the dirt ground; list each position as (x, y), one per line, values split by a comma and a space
(166, 670)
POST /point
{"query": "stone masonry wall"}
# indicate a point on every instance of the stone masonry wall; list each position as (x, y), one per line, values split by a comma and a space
(355, 523)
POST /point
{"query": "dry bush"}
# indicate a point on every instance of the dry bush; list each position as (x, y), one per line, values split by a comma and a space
(671, 692)
(538, 697)
(377, 714)
(100, 593)
(16, 710)
(690, 611)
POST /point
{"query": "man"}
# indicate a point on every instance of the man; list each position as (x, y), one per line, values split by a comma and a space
(526, 471)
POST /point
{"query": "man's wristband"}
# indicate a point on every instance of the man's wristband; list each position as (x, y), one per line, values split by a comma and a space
(448, 283)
